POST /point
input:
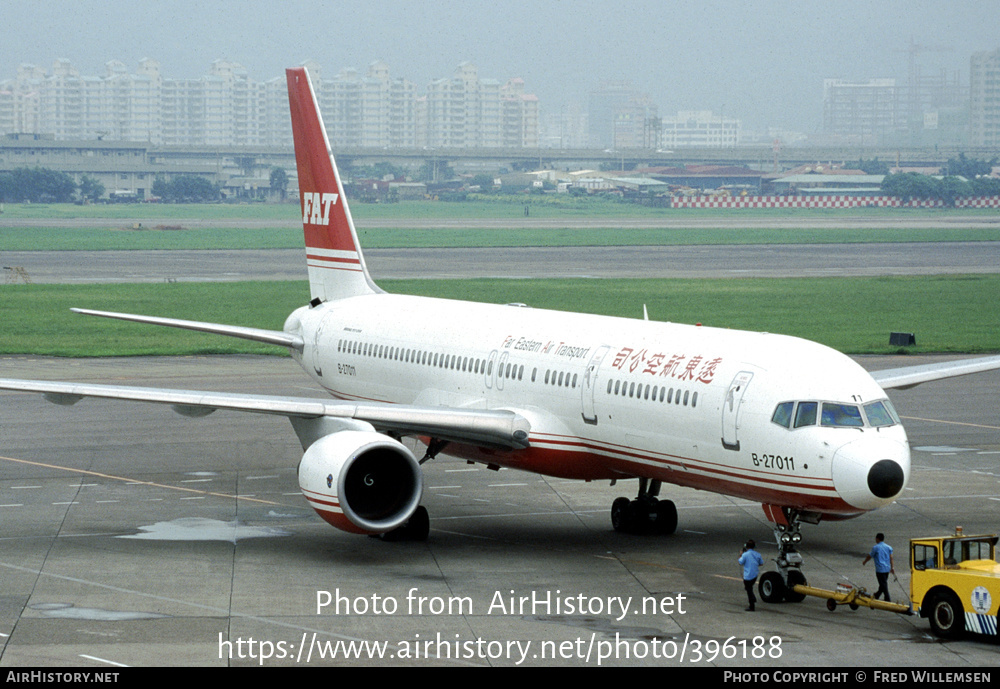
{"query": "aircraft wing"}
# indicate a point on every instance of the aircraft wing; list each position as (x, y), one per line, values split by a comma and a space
(492, 427)
(908, 376)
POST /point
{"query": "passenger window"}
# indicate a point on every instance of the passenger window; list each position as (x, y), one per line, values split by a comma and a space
(783, 414)
(805, 414)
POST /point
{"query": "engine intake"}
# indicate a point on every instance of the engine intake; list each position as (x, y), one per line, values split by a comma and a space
(360, 481)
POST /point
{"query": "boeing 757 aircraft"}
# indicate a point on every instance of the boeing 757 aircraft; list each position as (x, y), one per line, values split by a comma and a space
(790, 423)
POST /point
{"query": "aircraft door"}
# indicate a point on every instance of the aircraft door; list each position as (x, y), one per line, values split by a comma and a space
(314, 351)
(731, 410)
(500, 365)
(491, 363)
(589, 382)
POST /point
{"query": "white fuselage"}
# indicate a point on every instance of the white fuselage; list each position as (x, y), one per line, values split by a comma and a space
(611, 398)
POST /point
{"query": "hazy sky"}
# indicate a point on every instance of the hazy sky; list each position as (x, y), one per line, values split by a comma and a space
(763, 62)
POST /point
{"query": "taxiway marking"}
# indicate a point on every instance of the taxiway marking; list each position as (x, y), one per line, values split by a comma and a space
(138, 482)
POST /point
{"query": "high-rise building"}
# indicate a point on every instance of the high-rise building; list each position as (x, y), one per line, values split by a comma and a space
(227, 108)
(520, 116)
(463, 111)
(861, 112)
(620, 117)
(984, 99)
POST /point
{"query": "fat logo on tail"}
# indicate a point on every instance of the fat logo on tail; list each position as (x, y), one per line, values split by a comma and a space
(333, 254)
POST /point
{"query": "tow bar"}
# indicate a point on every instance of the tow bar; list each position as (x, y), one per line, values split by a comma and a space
(852, 597)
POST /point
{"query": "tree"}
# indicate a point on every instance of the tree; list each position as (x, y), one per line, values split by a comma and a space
(969, 167)
(279, 181)
(985, 186)
(192, 188)
(161, 187)
(37, 185)
(873, 166)
(951, 189)
(911, 185)
(90, 188)
(185, 189)
(483, 181)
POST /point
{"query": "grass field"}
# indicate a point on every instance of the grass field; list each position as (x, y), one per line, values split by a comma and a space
(854, 315)
(105, 228)
(548, 206)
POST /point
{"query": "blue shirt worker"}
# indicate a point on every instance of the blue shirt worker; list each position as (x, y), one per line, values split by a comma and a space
(751, 561)
(881, 552)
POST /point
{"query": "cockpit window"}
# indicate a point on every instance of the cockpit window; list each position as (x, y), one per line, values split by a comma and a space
(834, 414)
(805, 415)
(881, 414)
(783, 414)
(841, 415)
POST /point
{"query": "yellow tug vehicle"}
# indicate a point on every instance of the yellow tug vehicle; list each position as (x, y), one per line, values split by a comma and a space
(954, 583)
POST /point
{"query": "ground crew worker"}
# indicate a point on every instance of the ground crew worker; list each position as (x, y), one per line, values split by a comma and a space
(881, 552)
(751, 561)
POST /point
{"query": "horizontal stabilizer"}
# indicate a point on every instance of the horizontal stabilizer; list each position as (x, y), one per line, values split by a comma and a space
(275, 337)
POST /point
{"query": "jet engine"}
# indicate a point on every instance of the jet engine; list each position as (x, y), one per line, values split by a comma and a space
(361, 481)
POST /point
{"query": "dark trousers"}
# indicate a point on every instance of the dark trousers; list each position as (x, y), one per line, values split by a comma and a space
(883, 585)
(748, 585)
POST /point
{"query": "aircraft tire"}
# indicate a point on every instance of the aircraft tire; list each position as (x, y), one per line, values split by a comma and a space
(416, 528)
(795, 578)
(771, 587)
(666, 517)
(621, 515)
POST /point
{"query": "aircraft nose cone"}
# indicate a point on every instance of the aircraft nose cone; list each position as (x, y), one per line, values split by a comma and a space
(886, 479)
(869, 473)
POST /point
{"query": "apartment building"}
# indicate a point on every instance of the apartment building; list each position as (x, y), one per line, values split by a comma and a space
(226, 108)
(861, 112)
(984, 99)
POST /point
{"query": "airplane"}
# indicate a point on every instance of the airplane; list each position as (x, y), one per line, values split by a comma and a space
(789, 423)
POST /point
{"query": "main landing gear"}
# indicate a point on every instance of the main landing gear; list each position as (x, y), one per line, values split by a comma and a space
(645, 514)
(418, 526)
(775, 587)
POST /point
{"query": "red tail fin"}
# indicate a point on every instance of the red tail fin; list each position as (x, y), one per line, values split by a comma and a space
(333, 255)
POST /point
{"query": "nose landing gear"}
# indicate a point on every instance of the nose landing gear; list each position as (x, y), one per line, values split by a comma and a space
(775, 587)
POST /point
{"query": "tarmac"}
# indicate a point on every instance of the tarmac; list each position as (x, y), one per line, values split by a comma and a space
(131, 536)
(700, 261)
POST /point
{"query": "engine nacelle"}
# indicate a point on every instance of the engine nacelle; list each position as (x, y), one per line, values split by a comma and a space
(360, 481)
